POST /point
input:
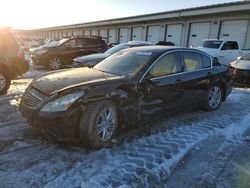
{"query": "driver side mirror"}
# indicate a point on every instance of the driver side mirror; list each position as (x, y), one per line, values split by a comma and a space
(216, 62)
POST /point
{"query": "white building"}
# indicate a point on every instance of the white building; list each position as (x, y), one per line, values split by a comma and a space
(185, 27)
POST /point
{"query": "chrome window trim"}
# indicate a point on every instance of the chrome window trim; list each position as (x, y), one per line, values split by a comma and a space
(211, 60)
(179, 50)
(180, 73)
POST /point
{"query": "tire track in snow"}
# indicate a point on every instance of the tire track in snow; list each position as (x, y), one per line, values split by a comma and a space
(149, 160)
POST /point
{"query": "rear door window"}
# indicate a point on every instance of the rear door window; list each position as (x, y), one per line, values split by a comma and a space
(74, 43)
(90, 42)
(192, 61)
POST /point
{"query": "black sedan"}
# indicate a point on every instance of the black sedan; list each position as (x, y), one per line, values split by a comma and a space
(127, 88)
(93, 59)
(60, 54)
(240, 69)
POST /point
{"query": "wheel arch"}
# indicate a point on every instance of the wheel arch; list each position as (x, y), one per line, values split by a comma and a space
(126, 109)
(5, 69)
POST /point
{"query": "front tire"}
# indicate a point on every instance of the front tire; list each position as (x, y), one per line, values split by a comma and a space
(214, 98)
(98, 124)
(55, 63)
(4, 83)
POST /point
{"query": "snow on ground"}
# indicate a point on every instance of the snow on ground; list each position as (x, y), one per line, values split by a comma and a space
(147, 156)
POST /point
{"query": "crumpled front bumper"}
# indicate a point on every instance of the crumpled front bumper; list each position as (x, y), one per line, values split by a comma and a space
(63, 126)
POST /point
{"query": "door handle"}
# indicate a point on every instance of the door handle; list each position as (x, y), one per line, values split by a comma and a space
(178, 80)
(209, 73)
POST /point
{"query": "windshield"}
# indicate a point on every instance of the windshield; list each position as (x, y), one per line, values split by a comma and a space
(211, 44)
(116, 49)
(51, 44)
(125, 62)
(61, 41)
(246, 57)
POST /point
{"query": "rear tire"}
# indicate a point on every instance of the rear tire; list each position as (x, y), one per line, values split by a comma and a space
(214, 98)
(4, 83)
(98, 124)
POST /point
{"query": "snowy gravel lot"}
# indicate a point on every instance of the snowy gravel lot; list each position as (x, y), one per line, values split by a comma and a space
(198, 149)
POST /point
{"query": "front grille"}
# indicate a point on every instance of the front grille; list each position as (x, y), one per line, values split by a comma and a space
(242, 72)
(240, 75)
(32, 98)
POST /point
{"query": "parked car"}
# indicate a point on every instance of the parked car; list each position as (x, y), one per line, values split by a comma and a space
(51, 43)
(226, 51)
(240, 70)
(12, 59)
(93, 59)
(127, 88)
(62, 53)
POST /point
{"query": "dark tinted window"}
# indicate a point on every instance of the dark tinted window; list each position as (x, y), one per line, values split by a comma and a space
(192, 61)
(74, 43)
(206, 61)
(230, 46)
(211, 44)
(167, 65)
(91, 42)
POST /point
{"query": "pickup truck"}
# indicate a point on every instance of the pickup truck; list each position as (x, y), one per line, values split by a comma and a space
(225, 50)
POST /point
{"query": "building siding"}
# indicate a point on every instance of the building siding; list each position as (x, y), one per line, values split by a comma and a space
(215, 14)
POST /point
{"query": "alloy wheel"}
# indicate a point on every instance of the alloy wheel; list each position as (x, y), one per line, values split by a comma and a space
(3, 82)
(55, 63)
(214, 97)
(106, 124)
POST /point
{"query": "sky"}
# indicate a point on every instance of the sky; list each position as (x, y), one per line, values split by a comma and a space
(34, 14)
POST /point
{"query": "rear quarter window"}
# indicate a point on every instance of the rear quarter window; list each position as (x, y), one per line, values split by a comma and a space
(206, 61)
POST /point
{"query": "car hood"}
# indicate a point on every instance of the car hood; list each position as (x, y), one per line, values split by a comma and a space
(241, 64)
(92, 57)
(57, 81)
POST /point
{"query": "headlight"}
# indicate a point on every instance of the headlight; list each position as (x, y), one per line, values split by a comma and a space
(39, 52)
(63, 103)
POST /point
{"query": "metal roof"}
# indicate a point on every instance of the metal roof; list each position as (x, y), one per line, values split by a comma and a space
(172, 14)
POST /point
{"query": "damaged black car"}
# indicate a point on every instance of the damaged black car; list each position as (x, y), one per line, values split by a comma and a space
(127, 88)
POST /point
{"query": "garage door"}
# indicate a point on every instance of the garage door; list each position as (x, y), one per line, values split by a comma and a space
(113, 35)
(77, 33)
(137, 33)
(153, 35)
(94, 32)
(69, 33)
(173, 34)
(87, 32)
(103, 33)
(234, 30)
(198, 32)
(124, 35)
(65, 34)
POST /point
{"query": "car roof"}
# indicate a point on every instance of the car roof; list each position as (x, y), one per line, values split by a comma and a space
(159, 48)
(87, 36)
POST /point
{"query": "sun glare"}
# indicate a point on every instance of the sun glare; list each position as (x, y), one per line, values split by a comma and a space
(29, 14)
